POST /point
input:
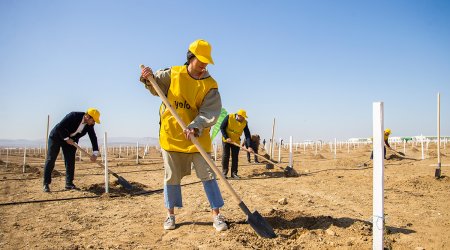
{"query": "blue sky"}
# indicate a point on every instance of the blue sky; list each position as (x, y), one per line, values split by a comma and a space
(314, 66)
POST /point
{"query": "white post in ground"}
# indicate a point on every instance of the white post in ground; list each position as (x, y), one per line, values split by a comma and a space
(421, 141)
(137, 152)
(46, 138)
(120, 150)
(348, 147)
(272, 142)
(315, 143)
(105, 143)
(79, 155)
(279, 150)
(378, 176)
(290, 152)
(335, 145)
(437, 172)
(404, 146)
(24, 159)
(7, 156)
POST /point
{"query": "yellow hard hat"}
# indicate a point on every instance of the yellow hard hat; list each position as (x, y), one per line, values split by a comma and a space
(95, 114)
(388, 131)
(202, 50)
(242, 112)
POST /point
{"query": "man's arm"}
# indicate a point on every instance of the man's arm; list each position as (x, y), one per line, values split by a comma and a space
(61, 128)
(209, 111)
(162, 78)
(248, 136)
(223, 127)
(93, 138)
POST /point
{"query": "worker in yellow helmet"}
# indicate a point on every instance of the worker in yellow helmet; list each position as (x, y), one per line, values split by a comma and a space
(232, 127)
(387, 132)
(194, 95)
(67, 132)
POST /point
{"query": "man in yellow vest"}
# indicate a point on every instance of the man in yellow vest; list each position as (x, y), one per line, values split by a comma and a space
(387, 132)
(194, 95)
(232, 127)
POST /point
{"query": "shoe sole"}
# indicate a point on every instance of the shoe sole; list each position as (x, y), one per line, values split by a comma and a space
(221, 229)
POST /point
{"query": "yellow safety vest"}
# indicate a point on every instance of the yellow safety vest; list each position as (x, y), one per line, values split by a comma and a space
(185, 94)
(234, 129)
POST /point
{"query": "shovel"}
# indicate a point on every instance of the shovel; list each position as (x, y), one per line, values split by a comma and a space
(400, 153)
(120, 179)
(288, 171)
(256, 221)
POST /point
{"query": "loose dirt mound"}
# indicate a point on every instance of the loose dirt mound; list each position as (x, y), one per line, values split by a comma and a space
(116, 188)
(414, 149)
(433, 153)
(318, 157)
(346, 163)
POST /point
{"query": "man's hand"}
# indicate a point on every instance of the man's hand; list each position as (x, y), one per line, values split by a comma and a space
(147, 72)
(190, 131)
(70, 142)
(250, 150)
(93, 158)
(229, 140)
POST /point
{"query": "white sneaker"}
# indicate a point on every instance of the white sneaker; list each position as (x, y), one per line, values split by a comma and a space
(219, 223)
(169, 223)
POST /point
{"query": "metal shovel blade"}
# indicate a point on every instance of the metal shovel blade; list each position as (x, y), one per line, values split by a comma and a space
(290, 172)
(258, 223)
(124, 183)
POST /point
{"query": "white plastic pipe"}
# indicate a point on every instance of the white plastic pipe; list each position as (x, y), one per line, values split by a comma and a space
(378, 176)
(279, 150)
(335, 145)
(24, 159)
(404, 146)
(215, 151)
(290, 152)
(105, 143)
(421, 141)
(7, 156)
(438, 168)
(137, 152)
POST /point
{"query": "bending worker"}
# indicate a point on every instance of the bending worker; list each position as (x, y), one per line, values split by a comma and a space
(195, 97)
(67, 132)
(232, 127)
(387, 132)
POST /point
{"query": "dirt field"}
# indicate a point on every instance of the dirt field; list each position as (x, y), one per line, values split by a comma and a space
(328, 206)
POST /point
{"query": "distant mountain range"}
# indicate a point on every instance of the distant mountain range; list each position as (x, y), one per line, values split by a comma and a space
(113, 141)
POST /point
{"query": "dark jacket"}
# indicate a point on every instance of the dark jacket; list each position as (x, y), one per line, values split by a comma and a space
(69, 124)
(223, 129)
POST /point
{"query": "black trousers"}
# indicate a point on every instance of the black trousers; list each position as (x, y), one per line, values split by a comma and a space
(69, 159)
(226, 158)
(371, 155)
(256, 157)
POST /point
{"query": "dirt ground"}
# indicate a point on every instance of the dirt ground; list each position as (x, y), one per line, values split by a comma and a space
(328, 206)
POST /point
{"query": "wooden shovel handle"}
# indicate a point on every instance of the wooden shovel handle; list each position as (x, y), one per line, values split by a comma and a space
(87, 154)
(244, 148)
(194, 140)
